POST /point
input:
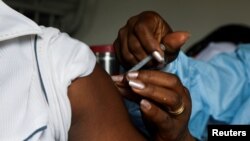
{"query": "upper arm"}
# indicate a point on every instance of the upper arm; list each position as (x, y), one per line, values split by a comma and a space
(97, 109)
(98, 112)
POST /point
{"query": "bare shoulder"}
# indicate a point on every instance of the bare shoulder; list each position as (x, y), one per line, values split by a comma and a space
(98, 111)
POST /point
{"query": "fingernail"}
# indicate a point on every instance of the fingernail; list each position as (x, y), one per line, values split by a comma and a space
(185, 36)
(137, 85)
(162, 47)
(158, 56)
(145, 104)
(117, 78)
(133, 74)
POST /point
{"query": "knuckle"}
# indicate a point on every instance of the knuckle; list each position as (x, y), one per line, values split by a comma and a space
(163, 120)
(135, 46)
(186, 90)
(145, 75)
(139, 27)
(174, 80)
(121, 32)
(151, 91)
(129, 57)
(150, 14)
(175, 99)
(156, 115)
(131, 21)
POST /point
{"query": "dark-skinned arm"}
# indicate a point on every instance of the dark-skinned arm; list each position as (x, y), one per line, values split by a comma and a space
(98, 112)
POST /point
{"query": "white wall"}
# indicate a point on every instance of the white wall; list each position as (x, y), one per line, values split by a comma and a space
(199, 17)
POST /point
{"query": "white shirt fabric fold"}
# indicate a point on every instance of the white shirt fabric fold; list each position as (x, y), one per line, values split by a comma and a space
(25, 112)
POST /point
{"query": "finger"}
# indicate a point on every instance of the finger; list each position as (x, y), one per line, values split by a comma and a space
(167, 91)
(150, 29)
(166, 98)
(167, 80)
(124, 88)
(147, 39)
(175, 40)
(142, 34)
(120, 80)
(139, 52)
(173, 43)
(117, 78)
(154, 114)
(117, 49)
(136, 48)
(119, 83)
(128, 58)
(134, 45)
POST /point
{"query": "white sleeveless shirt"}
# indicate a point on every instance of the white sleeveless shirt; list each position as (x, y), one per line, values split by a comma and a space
(27, 112)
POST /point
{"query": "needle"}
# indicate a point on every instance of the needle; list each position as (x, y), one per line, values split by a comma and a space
(145, 60)
(141, 63)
